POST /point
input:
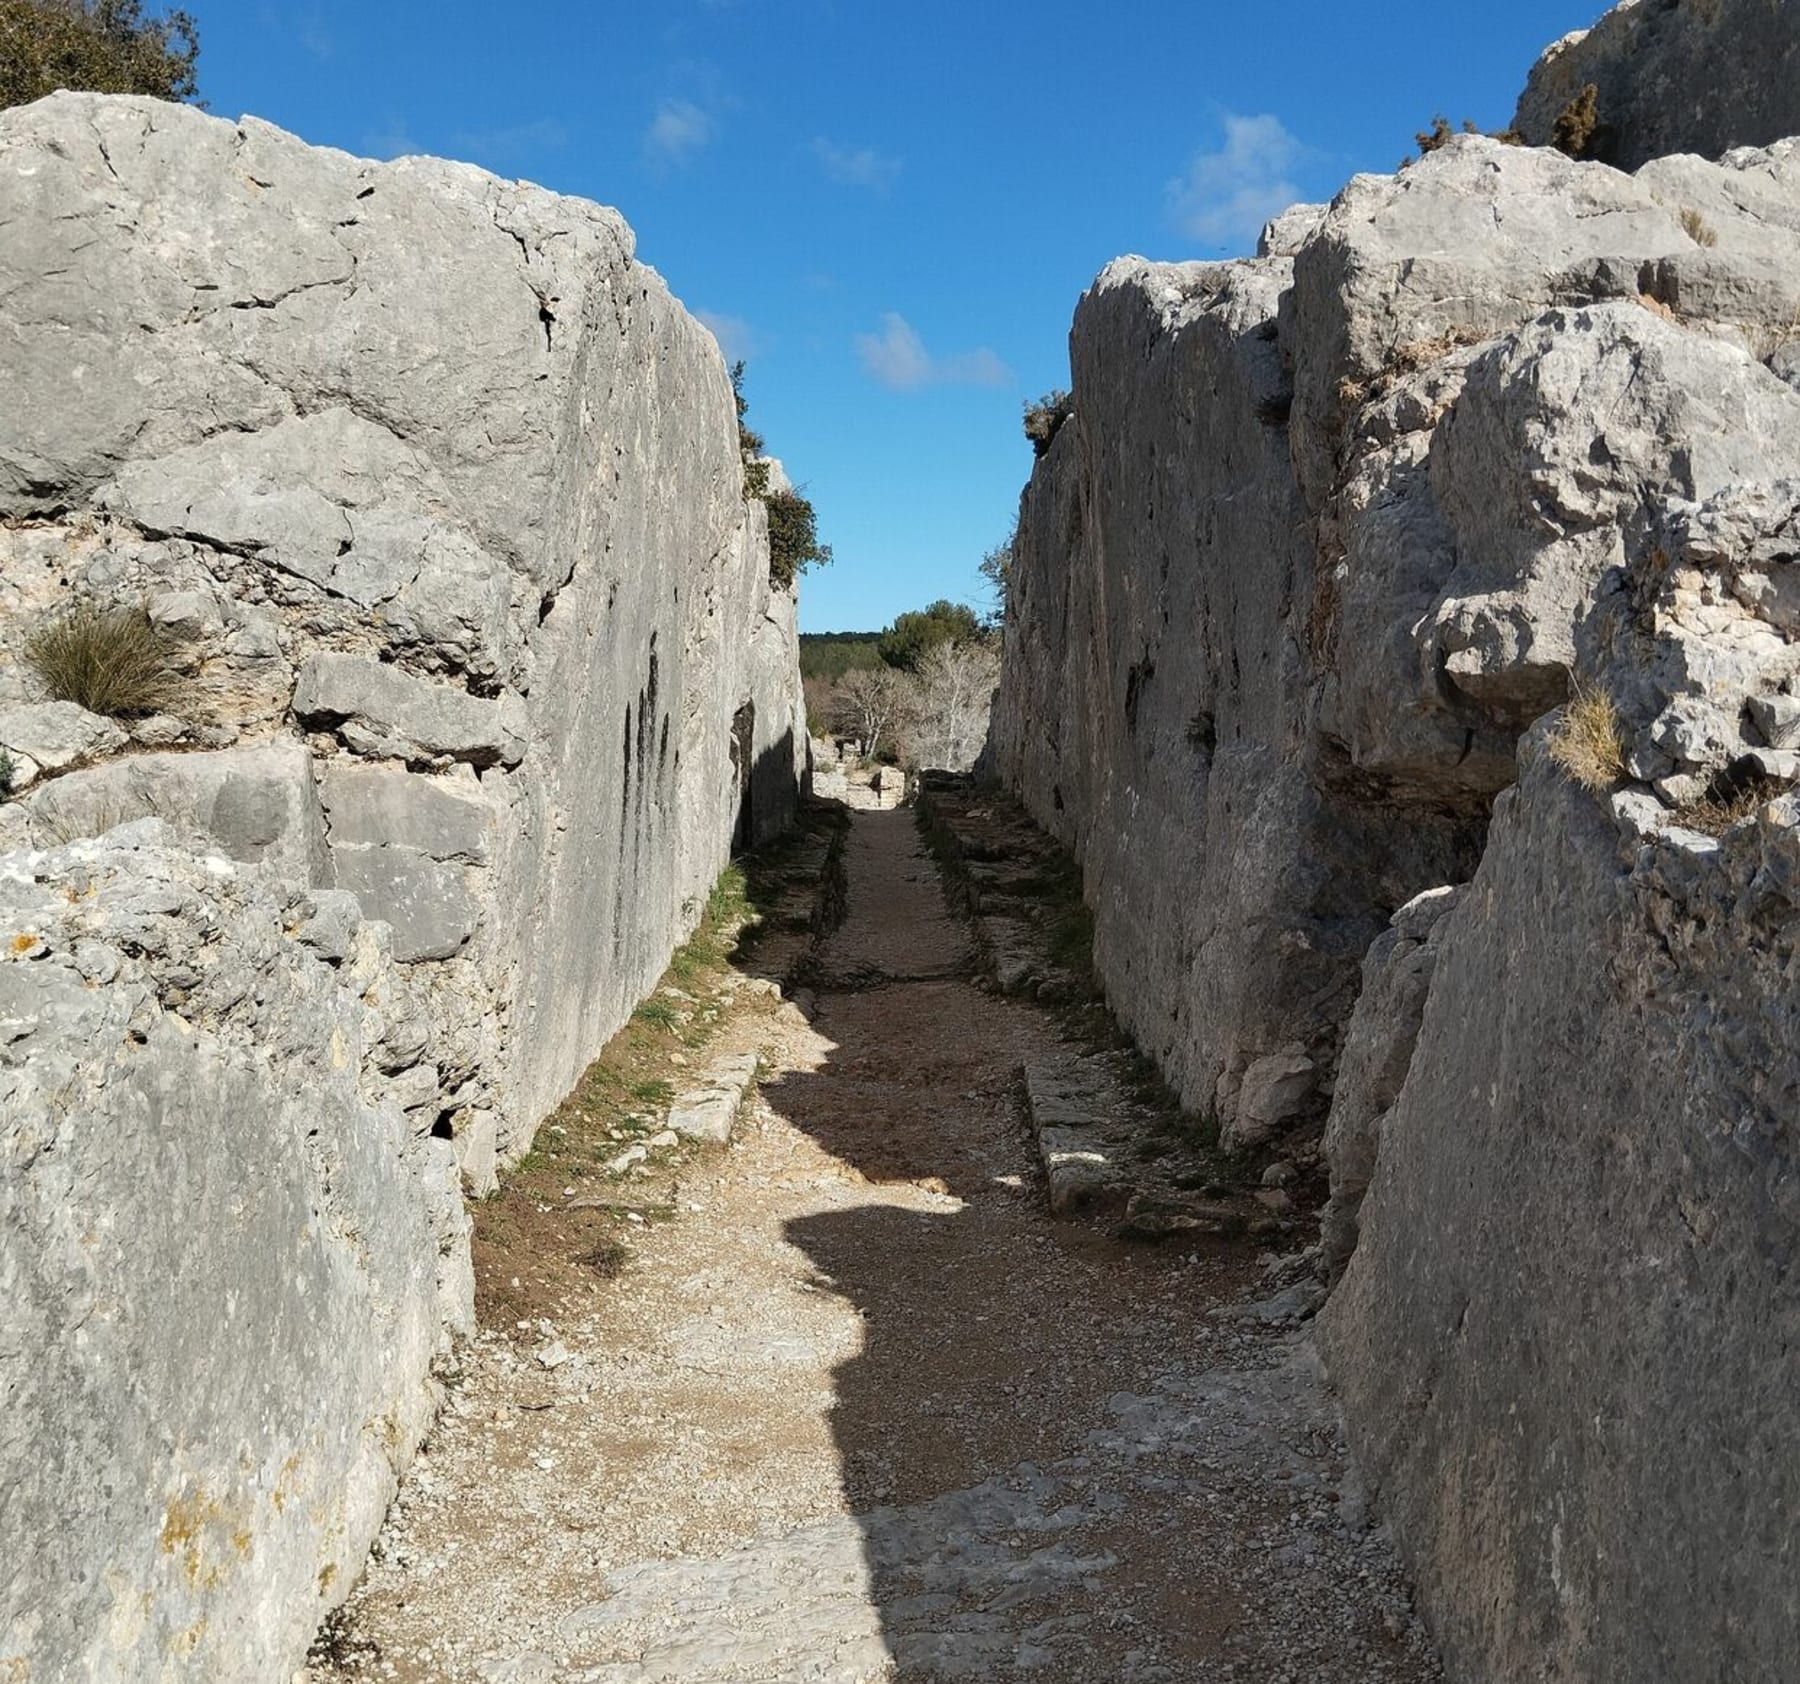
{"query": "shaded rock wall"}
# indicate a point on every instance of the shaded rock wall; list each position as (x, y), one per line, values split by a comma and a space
(1674, 76)
(437, 491)
(1564, 1342)
(1327, 535)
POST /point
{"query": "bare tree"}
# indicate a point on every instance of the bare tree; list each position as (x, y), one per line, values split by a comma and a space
(874, 702)
(955, 694)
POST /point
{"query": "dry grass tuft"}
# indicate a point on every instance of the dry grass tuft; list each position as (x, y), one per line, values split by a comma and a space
(108, 660)
(1718, 810)
(1588, 742)
(1767, 342)
(1698, 229)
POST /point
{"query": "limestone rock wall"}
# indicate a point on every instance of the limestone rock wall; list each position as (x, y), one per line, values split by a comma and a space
(231, 1254)
(437, 490)
(1328, 536)
(1674, 76)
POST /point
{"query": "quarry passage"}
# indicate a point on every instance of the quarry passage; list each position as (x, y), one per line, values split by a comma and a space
(862, 1410)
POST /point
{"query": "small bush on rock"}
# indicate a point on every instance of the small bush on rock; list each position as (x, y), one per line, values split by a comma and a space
(1578, 130)
(793, 522)
(1726, 805)
(93, 46)
(1440, 134)
(112, 661)
(793, 537)
(1588, 743)
(1044, 419)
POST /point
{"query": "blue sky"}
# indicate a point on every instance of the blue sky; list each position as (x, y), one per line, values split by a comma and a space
(890, 210)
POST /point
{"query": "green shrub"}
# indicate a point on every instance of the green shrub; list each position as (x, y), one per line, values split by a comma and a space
(793, 522)
(913, 636)
(1044, 418)
(108, 660)
(793, 537)
(1578, 130)
(996, 568)
(829, 655)
(94, 46)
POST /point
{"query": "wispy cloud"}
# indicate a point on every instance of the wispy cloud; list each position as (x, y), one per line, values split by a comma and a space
(520, 140)
(856, 167)
(678, 132)
(303, 24)
(737, 339)
(896, 356)
(392, 140)
(1225, 197)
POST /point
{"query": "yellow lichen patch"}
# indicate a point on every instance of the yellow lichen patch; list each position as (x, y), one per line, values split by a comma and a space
(185, 1523)
(328, 1575)
(285, 1480)
(24, 941)
(187, 1640)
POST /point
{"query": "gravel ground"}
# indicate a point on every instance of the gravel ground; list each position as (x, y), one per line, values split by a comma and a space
(862, 1411)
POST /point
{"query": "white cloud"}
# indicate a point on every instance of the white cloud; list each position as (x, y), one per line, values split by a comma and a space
(1226, 196)
(858, 167)
(897, 357)
(392, 140)
(735, 336)
(678, 131)
(544, 134)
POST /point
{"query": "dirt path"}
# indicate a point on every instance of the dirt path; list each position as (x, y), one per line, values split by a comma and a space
(864, 1412)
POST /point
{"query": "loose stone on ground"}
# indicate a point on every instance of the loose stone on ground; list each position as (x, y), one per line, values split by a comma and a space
(863, 1410)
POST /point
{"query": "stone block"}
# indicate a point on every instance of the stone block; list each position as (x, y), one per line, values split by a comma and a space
(443, 818)
(708, 1111)
(384, 711)
(428, 905)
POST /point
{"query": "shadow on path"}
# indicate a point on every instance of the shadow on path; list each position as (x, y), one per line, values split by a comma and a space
(1059, 1467)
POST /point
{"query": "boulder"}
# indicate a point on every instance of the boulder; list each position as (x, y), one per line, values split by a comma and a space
(442, 818)
(55, 735)
(428, 905)
(253, 804)
(1673, 78)
(1378, 1050)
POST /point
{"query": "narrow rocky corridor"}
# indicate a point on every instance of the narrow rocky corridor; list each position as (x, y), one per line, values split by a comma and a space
(862, 1410)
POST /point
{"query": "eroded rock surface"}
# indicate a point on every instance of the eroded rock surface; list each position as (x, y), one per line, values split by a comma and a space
(434, 493)
(216, 1182)
(1674, 76)
(1328, 534)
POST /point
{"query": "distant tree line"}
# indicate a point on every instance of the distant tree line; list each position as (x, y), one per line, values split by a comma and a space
(916, 693)
(95, 46)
